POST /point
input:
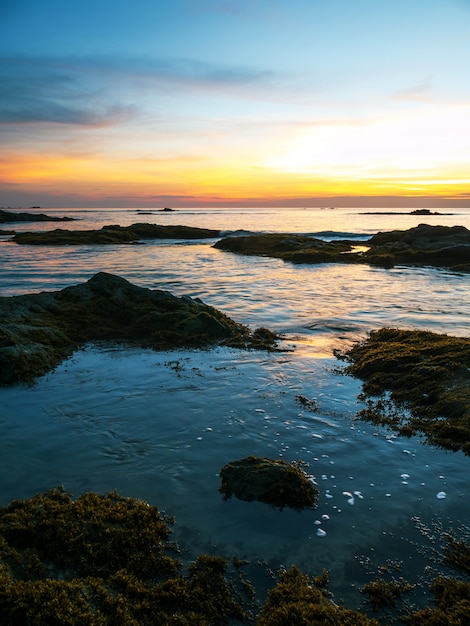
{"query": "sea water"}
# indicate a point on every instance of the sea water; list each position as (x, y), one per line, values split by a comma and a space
(159, 425)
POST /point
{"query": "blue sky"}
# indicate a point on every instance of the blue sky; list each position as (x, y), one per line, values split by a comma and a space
(213, 102)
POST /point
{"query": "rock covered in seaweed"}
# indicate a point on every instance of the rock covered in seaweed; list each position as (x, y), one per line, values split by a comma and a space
(437, 246)
(37, 331)
(113, 234)
(274, 482)
(104, 559)
(426, 373)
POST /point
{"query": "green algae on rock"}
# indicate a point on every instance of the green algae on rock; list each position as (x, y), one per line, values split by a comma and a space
(113, 234)
(437, 246)
(38, 331)
(428, 378)
(274, 482)
(296, 599)
(103, 559)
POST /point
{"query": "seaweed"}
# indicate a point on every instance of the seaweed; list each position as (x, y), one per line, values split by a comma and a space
(104, 559)
(297, 600)
(428, 378)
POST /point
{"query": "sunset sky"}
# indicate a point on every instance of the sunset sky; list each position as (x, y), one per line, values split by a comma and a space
(234, 103)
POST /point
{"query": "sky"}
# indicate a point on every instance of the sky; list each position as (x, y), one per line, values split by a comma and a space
(180, 103)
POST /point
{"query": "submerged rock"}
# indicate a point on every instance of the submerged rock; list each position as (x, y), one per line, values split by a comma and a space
(428, 378)
(274, 482)
(9, 216)
(113, 234)
(438, 246)
(38, 331)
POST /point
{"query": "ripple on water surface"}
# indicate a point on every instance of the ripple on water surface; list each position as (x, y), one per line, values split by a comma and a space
(160, 425)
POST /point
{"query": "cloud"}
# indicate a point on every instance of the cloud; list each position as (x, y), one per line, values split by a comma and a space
(89, 91)
(38, 90)
(418, 93)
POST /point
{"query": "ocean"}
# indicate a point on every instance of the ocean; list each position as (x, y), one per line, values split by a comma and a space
(159, 425)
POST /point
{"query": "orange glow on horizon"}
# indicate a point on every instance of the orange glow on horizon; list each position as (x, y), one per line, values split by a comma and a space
(94, 177)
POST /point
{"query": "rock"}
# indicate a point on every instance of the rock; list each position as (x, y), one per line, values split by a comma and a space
(424, 245)
(274, 482)
(38, 331)
(114, 234)
(8, 216)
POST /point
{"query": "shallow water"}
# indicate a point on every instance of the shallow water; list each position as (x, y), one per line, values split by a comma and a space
(160, 425)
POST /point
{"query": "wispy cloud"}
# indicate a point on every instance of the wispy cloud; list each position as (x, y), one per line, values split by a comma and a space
(92, 91)
(417, 93)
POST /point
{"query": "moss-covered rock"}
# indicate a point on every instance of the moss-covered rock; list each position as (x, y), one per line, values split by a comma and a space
(439, 246)
(274, 482)
(113, 234)
(102, 560)
(294, 248)
(428, 377)
(37, 331)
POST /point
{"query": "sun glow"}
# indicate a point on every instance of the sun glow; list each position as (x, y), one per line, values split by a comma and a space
(398, 153)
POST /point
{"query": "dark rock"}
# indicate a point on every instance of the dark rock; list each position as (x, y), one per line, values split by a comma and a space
(294, 248)
(8, 216)
(424, 245)
(114, 234)
(38, 331)
(274, 482)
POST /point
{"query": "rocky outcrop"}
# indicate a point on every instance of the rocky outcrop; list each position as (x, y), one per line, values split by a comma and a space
(424, 245)
(38, 331)
(113, 234)
(274, 482)
(9, 216)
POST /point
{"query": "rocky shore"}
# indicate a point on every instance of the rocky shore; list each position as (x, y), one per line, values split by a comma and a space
(38, 331)
(424, 245)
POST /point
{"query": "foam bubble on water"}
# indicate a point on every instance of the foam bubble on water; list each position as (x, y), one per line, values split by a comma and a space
(317, 522)
(359, 495)
(441, 495)
(325, 516)
(349, 496)
(405, 476)
(260, 411)
(321, 532)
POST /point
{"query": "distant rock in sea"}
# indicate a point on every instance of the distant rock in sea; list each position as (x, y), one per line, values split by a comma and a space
(9, 216)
